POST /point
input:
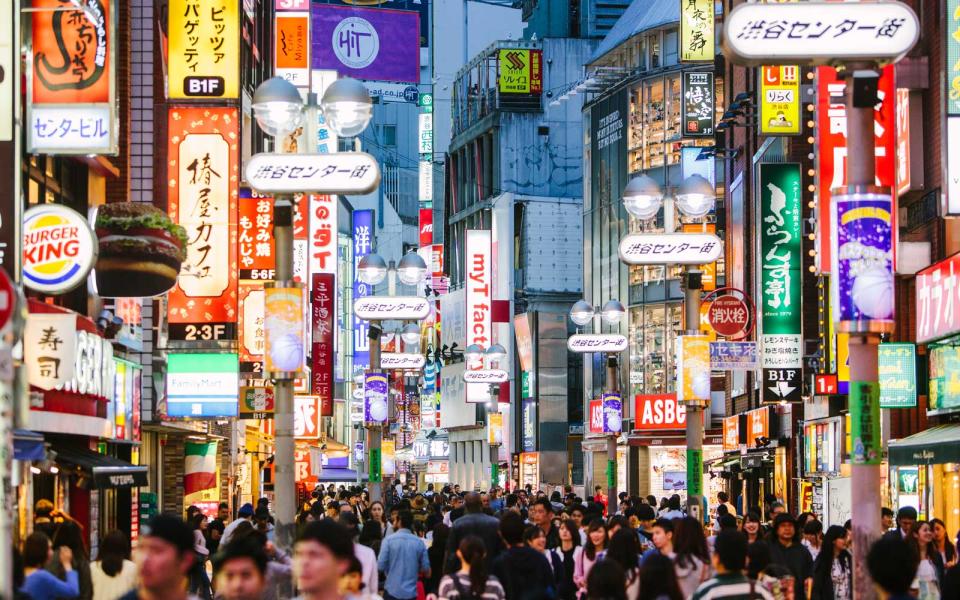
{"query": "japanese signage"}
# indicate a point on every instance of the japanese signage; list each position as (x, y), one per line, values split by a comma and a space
(126, 399)
(520, 71)
(375, 397)
(670, 248)
(203, 49)
(780, 100)
(402, 360)
(306, 417)
(49, 343)
(59, 248)
(71, 78)
(367, 43)
(597, 342)
(953, 57)
(202, 385)
(862, 266)
(362, 245)
(251, 335)
(693, 368)
(821, 452)
(322, 311)
(340, 173)
(426, 227)
(255, 245)
(826, 384)
(782, 385)
(832, 147)
(734, 356)
(382, 308)
(596, 416)
(697, 40)
(612, 412)
(897, 374)
(758, 425)
(865, 423)
(698, 104)
(902, 112)
(485, 376)
(811, 33)
(731, 433)
(425, 133)
(658, 411)
(425, 180)
(730, 316)
(938, 300)
(256, 403)
(944, 378)
(291, 57)
(202, 197)
(494, 428)
(322, 249)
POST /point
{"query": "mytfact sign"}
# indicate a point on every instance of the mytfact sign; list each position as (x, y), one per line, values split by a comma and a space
(670, 248)
(486, 376)
(384, 308)
(658, 411)
(479, 290)
(815, 33)
(597, 342)
(59, 248)
(340, 173)
(402, 360)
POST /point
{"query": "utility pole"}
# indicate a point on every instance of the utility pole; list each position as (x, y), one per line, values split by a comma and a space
(613, 387)
(376, 432)
(691, 305)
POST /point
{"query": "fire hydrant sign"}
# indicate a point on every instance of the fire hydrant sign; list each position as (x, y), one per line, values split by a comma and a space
(340, 173)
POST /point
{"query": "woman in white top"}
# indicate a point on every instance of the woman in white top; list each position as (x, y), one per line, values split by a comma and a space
(926, 586)
(585, 556)
(114, 574)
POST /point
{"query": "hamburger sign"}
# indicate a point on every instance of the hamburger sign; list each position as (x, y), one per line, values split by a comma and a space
(58, 249)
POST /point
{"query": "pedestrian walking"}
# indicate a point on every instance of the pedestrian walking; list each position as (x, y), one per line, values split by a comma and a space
(240, 570)
(471, 581)
(624, 549)
(565, 560)
(752, 527)
(585, 558)
(892, 566)
(658, 580)
(786, 551)
(199, 581)
(927, 585)
(524, 573)
(605, 582)
(833, 567)
(216, 527)
(729, 561)
(113, 574)
(164, 557)
(322, 553)
(946, 548)
(244, 514)
(691, 556)
(473, 522)
(403, 559)
(279, 570)
(40, 584)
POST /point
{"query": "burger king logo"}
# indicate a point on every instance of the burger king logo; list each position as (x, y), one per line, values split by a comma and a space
(59, 248)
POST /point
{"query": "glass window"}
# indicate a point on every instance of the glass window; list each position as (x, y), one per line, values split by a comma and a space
(635, 131)
(653, 45)
(388, 134)
(653, 122)
(671, 47)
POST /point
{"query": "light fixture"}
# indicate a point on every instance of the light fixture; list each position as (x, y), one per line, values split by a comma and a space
(347, 107)
(554, 102)
(34, 470)
(613, 311)
(412, 268)
(496, 353)
(581, 312)
(410, 334)
(696, 196)
(642, 197)
(371, 269)
(473, 353)
(277, 106)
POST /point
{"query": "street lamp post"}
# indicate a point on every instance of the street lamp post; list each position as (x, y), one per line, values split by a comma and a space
(279, 109)
(491, 374)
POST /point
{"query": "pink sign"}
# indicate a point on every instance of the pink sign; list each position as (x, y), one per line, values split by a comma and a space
(938, 300)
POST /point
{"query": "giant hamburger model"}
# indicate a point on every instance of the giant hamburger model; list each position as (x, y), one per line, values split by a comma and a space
(141, 250)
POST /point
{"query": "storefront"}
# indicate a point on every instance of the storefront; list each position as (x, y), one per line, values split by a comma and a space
(925, 473)
(431, 457)
(822, 444)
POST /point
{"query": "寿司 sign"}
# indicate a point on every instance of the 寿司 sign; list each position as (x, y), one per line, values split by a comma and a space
(59, 248)
(670, 248)
(339, 173)
(597, 342)
(938, 300)
(813, 33)
(401, 308)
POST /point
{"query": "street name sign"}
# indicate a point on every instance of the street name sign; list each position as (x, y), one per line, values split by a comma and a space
(386, 308)
(337, 173)
(670, 248)
(485, 376)
(597, 342)
(402, 360)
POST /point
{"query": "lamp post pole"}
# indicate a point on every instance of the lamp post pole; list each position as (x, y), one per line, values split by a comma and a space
(694, 429)
(376, 432)
(613, 387)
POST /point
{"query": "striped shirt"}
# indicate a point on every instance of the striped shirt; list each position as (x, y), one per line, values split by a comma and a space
(448, 590)
(731, 586)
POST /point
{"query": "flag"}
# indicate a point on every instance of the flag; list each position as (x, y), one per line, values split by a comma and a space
(200, 467)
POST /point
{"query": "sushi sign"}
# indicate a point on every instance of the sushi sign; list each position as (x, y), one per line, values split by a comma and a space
(58, 249)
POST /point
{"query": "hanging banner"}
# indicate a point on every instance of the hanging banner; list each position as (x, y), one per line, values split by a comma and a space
(612, 413)
(479, 289)
(362, 245)
(596, 416)
(202, 168)
(425, 180)
(388, 456)
(71, 79)
(50, 349)
(698, 104)
(306, 417)
(520, 71)
(697, 41)
(323, 234)
(283, 330)
(251, 328)
(203, 49)
(494, 428)
(897, 374)
(938, 300)
(322, 304)
(693, 368)
(426, 228)
(291, 56)
(202, 385)
(255, 245)
(375, 397)
(780, 100)
(865, 423)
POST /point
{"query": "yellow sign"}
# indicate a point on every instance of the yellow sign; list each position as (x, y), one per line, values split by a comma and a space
(693, 368)
(780, 100)
(843, 357)
(388, 456)
(697, 41)
(203, 50)
(520, 71)
(494, 428)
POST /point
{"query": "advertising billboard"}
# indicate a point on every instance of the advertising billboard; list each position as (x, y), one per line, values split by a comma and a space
(520, 71)
(362, 245)
(780, 100)
(203, 49)
(202, 385)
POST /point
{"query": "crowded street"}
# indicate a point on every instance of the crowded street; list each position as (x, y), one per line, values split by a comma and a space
(479, 300)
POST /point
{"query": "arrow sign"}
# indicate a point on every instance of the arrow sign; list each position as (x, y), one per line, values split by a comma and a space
(385, 308)
(339, 173)
(782, 389)
(782, 385)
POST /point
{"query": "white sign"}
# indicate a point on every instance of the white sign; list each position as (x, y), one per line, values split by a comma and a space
(59, 248)
(389, 91)
(355, 55)
(781, 351)
(426, 181)
(69, 129)
(426, 133)
(812, 33)
(401, 360)
(670, 248)
(597, 342)
(340, 173)
(326, 138)
(49, 347)
(385, 308)
(486, 376)
(953, 166)
(306, 417)
(322, 243)
(479, 296)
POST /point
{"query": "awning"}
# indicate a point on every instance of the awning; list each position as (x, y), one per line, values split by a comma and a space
(103, 471)
(344, 475)
(937, 445)
(28, 445)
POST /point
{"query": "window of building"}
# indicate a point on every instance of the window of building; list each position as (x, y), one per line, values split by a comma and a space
(653, 46)
(671, 47)
(388, 135)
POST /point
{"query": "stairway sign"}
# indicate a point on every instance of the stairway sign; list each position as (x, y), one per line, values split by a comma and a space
(782, 385)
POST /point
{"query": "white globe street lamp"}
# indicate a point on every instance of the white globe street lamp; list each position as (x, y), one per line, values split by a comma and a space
(696, 196)
(347, 107)
(277, 106)
(412, 268)
(642, 197)
(371, 269)
(473, 353)
(410, 334)
(581, 313)
(496, 353)
(613, 312)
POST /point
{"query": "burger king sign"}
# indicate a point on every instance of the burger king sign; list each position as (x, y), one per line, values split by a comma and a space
(58, 248)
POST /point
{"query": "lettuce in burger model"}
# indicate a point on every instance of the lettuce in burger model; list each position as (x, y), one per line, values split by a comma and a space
(141, 250)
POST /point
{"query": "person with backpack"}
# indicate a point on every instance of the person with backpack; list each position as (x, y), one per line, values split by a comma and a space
(471, 581)
(524, 573)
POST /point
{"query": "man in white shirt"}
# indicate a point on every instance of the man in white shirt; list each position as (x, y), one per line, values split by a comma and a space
(244, 514)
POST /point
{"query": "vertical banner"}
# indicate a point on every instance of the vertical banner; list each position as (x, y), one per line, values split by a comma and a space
(897, 374)
(693, 369)
(780, 100)
(495, 428)
(202, 168)
(520, 71)
(203, 49)
(251, 328)
(375, 397)
(291, 56)
(865, 423)
(283, 330)
(322, 303)
(697, 41)
(362, 246)
(596, 416)
(479, 290)
(612, 413)
(694, 472)
(780, 280)
(425, 181)
(200, 472)
(426, 230)
(698, 104)
(862, 262)
(953, 58)
(255, 245)
(306, 417)
(323, 234)
(388, 457)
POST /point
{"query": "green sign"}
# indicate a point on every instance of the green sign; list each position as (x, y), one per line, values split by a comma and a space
(694, 472)
(944, 377)
(425, 101)
(897, 371)
(865, 423)
(494, 474)
(375, 471)
(612, 478)
(525, 391)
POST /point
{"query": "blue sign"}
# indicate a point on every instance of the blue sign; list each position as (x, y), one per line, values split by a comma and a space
(362, 246)
(733, 356)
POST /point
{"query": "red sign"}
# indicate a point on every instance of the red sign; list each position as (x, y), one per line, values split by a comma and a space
(731, 433)
(938, 300)
(596, 416)
(251, 335)
(903, 141)
(658, 411)
(426, 227)
(729, 316)
(825, 384)
(436, 261)
(832, 143)
(255, 245)
(322, 295)
(8, 299)
(758, 425)
(302, 466)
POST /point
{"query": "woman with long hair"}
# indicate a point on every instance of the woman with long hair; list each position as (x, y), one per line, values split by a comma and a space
(658, 579)
(585, 556)
(833, 568)
(471, 582)
(752, 527)
(930, 571)
(377, 513)
(942, 541)
(113, 574)
(40, 584)
(565, 556)
(692, 557)
(371, 536)
(624, 549)
(436, 553)
(605, 582)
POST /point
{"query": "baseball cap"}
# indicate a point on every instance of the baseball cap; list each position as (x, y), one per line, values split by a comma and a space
(171, 529)
(245, 511)
(783, 518)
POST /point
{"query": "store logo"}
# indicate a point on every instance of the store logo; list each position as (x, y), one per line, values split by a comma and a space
(58, 248)
(355, 42)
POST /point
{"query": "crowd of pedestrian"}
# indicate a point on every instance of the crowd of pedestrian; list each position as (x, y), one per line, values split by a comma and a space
(450, 545)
